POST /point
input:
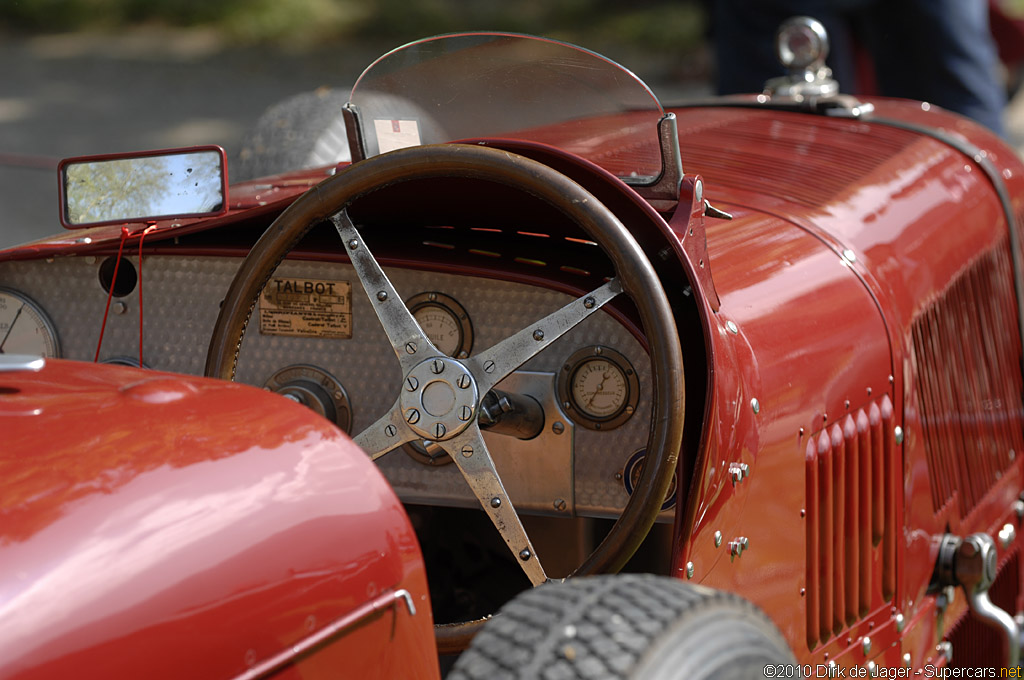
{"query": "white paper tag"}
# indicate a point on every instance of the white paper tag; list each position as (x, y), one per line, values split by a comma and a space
(396, 134)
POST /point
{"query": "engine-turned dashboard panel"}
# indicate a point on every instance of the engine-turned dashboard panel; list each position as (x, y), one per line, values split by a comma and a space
(314, 338)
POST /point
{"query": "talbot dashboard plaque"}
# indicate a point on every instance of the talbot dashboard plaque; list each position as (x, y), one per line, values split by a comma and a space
(309, 308)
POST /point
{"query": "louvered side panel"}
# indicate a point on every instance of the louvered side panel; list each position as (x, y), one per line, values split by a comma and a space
(813, 525)
(964, 355)
(893, 466)
(825, 530)
(863, 568)
(851, 485)
(838, 528)
(854, 519)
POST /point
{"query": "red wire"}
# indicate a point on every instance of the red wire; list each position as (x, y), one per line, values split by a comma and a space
(110, 293)
(141, 237)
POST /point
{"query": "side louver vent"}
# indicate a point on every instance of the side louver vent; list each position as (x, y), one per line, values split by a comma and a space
(851, 476)
(965, 353)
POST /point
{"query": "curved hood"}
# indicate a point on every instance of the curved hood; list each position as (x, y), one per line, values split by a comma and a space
(146, 512)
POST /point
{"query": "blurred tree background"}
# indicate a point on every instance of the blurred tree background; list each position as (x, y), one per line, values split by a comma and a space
(672, 27)
(100, 76)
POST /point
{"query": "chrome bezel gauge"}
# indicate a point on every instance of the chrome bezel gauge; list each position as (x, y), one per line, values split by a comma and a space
(617, 400)
(448, 312)
(24, 327)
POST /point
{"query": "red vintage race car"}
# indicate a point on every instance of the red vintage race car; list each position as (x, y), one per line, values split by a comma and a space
(730, 389)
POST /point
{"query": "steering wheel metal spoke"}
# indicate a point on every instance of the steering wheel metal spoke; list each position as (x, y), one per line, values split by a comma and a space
(408, 340)
(439, 397)
(389, 432)
(493, 365)
(470, 454)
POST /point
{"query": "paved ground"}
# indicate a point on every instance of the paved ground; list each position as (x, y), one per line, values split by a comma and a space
(75, 94)
(71, 95)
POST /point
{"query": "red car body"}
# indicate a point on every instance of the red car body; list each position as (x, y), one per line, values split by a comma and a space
(172, 513)
(852, 350)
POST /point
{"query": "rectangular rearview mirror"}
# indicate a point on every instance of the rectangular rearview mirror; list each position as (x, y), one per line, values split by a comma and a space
(143, 187)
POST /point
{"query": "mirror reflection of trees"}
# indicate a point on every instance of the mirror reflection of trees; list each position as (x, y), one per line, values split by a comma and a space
(138, 188)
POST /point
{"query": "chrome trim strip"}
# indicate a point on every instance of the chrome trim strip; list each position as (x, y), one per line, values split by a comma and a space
(353, 619)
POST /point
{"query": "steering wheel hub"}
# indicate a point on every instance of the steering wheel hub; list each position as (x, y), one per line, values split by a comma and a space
(439, 398)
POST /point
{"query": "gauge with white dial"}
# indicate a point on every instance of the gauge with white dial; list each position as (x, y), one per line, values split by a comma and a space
(598, 388)
(444, 321)
(24, 327)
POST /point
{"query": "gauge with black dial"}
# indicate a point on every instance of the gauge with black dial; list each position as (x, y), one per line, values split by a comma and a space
(24, 327)
(598, 388)
(444, 321)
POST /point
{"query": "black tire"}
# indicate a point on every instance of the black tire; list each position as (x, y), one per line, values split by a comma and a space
(624, 626)
(304, 131)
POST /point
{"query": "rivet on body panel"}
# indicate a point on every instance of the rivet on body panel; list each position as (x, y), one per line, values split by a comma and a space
(899, 434)
(756, 405)
(731, 325)
(866, 645)
(738, 472)
(945, 650)
(906, 660)
(737, 546)
(871, 668)
(689, 570)
(718, 539)
(1007, 535)
(849, 256)
(901, 622)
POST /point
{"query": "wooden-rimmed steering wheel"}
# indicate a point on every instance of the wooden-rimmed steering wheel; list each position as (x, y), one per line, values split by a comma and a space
(439, 398)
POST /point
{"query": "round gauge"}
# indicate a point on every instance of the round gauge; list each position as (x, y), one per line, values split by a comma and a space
(631, 475)
(316, 389)
(599, 388)
(444, 321)
(123, 361)
(24, 327)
